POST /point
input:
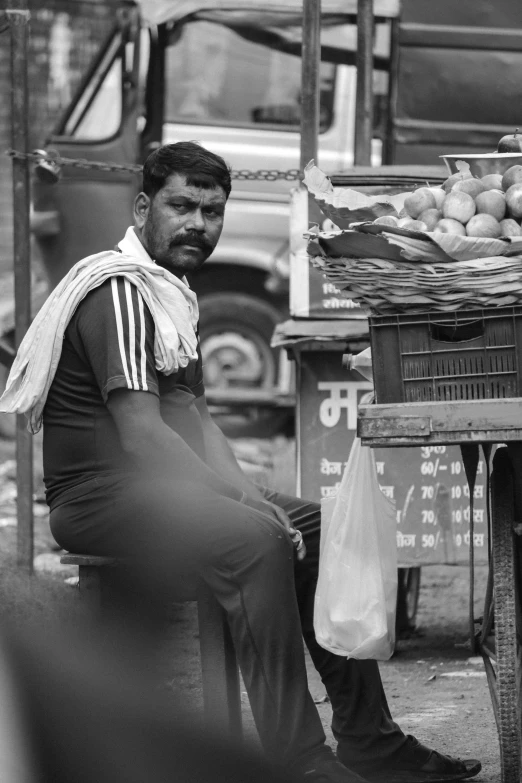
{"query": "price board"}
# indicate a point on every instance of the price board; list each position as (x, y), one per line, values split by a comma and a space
(427, 484)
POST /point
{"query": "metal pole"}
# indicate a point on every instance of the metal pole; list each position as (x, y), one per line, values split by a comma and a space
(310, 64)
(18, 17)
(364, 97)
(389, 144)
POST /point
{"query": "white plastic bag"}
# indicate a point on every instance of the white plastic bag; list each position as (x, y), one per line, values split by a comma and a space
(356, 595)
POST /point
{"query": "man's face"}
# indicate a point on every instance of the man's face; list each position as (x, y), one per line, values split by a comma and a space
(181, 225)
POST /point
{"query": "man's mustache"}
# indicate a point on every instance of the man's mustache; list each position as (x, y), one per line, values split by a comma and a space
(194, 240)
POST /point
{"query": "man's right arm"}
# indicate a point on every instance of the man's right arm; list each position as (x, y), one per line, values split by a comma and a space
(156, 449)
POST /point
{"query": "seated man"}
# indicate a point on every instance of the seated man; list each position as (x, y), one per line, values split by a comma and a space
(133, 463)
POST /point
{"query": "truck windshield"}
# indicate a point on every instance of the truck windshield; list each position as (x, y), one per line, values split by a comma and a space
(214, 75)
(97, 114)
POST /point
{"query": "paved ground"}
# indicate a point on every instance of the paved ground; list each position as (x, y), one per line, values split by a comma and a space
(434, 688)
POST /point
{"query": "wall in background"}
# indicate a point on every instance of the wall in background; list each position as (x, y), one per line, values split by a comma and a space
(64, 37)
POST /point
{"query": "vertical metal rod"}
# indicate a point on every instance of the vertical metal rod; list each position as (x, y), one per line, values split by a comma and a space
(364, 97)
(310, 65)
(18, 17)
(388, 152)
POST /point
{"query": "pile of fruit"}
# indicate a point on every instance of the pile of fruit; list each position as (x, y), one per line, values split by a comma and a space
(465, 205)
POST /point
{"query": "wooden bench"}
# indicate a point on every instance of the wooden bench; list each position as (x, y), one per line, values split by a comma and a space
(219, 669)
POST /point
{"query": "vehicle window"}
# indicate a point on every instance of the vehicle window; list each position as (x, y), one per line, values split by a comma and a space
(98, 113)
(214, 76)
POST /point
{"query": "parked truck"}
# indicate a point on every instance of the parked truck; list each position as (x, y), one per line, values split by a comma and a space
(446, 78)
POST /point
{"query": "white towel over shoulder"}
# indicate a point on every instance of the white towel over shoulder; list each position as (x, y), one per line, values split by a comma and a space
(171, 302)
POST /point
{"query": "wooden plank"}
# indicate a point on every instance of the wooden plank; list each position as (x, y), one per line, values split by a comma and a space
(454, 415)
(445, 438)
(398, 426)
(88, 560)
(479, 421)
(296, 330)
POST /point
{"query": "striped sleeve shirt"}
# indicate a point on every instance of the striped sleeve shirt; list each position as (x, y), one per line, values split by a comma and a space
(117, 334)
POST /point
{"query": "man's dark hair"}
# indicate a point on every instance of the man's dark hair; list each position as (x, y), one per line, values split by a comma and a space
(200, 167)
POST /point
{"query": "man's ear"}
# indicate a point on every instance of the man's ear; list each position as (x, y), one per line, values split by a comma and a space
(141, 209)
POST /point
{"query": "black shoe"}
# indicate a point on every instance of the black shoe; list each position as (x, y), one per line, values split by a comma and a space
(414, 763)
(328, 771)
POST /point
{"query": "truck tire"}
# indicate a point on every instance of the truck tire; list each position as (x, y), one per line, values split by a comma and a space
(235, 332)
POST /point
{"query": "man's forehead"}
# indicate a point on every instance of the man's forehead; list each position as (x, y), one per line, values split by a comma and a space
(177, 185)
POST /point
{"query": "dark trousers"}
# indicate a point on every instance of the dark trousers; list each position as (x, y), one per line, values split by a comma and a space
(188, 533)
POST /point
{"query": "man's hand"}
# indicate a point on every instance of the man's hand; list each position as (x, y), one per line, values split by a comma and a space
(295, 535)
(282, 517)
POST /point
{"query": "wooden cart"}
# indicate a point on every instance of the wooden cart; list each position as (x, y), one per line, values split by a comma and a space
(479, 424)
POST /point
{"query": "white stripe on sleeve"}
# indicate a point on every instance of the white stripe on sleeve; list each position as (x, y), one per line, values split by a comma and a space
(144, 385)
(119, 326)
(132, 336)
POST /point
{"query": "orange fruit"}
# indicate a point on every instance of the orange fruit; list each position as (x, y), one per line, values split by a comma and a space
(511, 177)
(418, 201)
(386, 220)
(510, 228)
(514, 199)
(447, 186)
(470, 186)
(491, 181)
(458, 206)
(491, 202)
(412, 225)
(431, 217)
(439, 195)
(450, 226)
(483, 225)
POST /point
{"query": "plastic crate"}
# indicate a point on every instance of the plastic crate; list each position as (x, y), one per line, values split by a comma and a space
(464, 355)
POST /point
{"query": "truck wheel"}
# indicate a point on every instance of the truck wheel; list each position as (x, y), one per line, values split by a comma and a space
(235, 332)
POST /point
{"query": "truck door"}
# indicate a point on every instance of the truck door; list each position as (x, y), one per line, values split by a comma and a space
(92, 206)
(456, 78)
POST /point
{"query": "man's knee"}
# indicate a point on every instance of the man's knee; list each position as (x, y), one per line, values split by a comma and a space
(190, 524)
(268, 541)
(165, 515)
